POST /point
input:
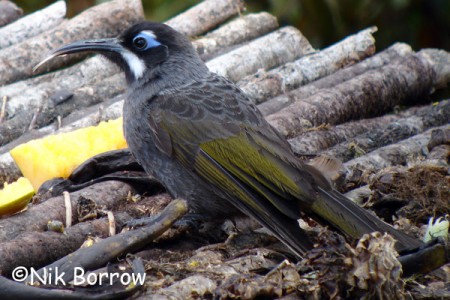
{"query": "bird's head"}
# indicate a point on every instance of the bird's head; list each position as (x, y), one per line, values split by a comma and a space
(141, 49)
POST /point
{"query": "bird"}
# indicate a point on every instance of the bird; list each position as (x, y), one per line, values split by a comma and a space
(201, 136)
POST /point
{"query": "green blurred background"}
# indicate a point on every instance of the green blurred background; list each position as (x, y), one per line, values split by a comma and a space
(420, 23)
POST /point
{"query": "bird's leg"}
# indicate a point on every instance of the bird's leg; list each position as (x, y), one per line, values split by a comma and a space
(229, 228)
(191, 221)
(136, 223)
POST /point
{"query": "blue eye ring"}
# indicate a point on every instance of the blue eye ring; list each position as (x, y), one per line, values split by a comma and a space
(145, 40)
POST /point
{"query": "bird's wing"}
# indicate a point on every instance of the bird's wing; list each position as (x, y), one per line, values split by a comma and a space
(214, 119)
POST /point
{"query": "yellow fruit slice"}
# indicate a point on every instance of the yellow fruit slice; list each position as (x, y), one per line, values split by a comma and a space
(58, 155)
(15, 196)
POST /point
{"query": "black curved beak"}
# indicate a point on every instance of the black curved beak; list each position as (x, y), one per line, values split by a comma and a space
(98, 45)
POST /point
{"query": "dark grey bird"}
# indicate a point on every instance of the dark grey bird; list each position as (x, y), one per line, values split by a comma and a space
(206, 142)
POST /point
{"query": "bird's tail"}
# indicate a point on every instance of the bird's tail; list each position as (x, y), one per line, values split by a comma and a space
(355, 221)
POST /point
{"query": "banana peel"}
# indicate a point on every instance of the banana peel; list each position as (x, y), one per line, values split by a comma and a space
(15, 196)
(56, 156)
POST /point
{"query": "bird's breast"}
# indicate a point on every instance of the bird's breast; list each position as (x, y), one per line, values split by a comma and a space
(138, 136)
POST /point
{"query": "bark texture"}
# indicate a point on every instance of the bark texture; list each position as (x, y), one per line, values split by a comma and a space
(264, 85)
(406, 81)
(284, 45)
(33, 24)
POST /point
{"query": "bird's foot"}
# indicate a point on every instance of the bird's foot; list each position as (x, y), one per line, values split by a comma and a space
(426, 258)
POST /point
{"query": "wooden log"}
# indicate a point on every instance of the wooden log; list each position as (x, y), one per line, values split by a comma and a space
(205, 16)
(340, 139)
(105, 194)
(265, 85)
(283, 45)
(439, 137)
(390, 133)
(88, 116)
(237, 31)
(33, 24)
(59, 104)
(395, 52)
(33, 91)
(98, 114)
(95, 66)
(103, 20)
(406, 81)
(438, 156)
(394, 154)
(440, 60)
(9, 12)
(91, 116)
(313, 141)
(48, 246)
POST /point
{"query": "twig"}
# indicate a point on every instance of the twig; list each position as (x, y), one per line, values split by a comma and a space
(68, 206)
(111, 223)
(58, 122)
(3, 109)
(34, 119)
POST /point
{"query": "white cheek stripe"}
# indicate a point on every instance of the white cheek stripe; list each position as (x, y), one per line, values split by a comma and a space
(149, 33)
(136, 65)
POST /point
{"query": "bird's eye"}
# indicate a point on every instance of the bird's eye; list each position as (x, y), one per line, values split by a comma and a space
(140, 43)
(145, 40)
